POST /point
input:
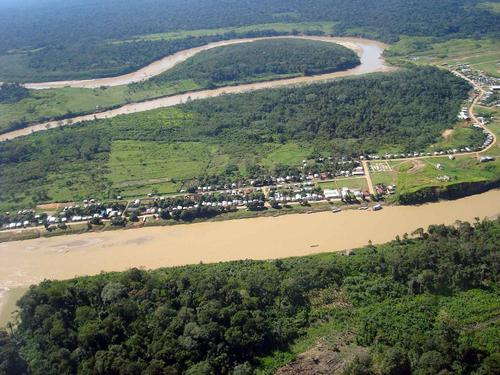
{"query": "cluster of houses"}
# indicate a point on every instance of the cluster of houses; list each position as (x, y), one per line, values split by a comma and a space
(90, 210)
(324, 171)
(230, 199)
(478, 76)
(489, 139)
(464, 114)
(491, 97)
(418, 154)
(382, 189)
(300, 192)
(343, 194)
(492, 83)
(20, 219)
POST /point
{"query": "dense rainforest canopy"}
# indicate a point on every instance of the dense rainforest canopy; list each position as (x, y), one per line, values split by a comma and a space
(76, 38)
(262, 58)
(406, 110)
(12, 93)
(427, 305)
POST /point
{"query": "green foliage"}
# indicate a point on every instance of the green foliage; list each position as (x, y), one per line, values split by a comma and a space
(81, 40)
(262, 59)
(218, 318)
(408, 109)
(12, 92)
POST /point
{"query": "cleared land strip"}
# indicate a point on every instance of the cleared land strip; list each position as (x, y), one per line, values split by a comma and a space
(370, 53)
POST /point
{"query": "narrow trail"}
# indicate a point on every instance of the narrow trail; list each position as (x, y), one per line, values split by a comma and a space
(473, 104)
(366, 168)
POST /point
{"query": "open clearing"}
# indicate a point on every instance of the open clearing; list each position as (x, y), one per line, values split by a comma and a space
(351, 183)
(483, 54)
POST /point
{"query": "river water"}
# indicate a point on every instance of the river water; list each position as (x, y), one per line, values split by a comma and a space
(27, 262)
(370, 53)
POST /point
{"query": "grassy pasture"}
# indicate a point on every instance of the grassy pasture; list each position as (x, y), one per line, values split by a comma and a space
(137, 167)
(483, 54)
(351, 183)
(301, 27)
(287, 154)
(462, 169)
(463, 135)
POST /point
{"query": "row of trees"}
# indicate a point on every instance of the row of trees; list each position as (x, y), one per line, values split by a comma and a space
(403, 301)
(12, 93)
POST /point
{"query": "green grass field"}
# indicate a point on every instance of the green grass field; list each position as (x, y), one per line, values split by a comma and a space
(55, 103)
(136, 168)
(384, 178)
(287, 154)
(412, 176)
(463, 135)
(352, 183)
(483, 54)
(301, 27)
(142, 167)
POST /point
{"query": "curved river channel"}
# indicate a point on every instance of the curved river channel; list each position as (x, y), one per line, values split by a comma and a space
(369, 51)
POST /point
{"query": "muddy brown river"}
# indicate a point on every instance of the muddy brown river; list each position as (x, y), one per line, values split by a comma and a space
(27, 262)
(369, 51)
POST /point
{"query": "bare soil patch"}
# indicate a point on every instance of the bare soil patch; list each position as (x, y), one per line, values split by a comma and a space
(323, 359)
(54, 206)
(417, 166)
(447, 133)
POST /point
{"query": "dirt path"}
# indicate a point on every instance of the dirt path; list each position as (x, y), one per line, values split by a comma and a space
(447, 133)
(366, 168)
(417, 166)
(473, 104)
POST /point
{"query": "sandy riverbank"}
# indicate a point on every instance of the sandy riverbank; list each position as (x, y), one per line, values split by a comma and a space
(168, 62)
(370, 53)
